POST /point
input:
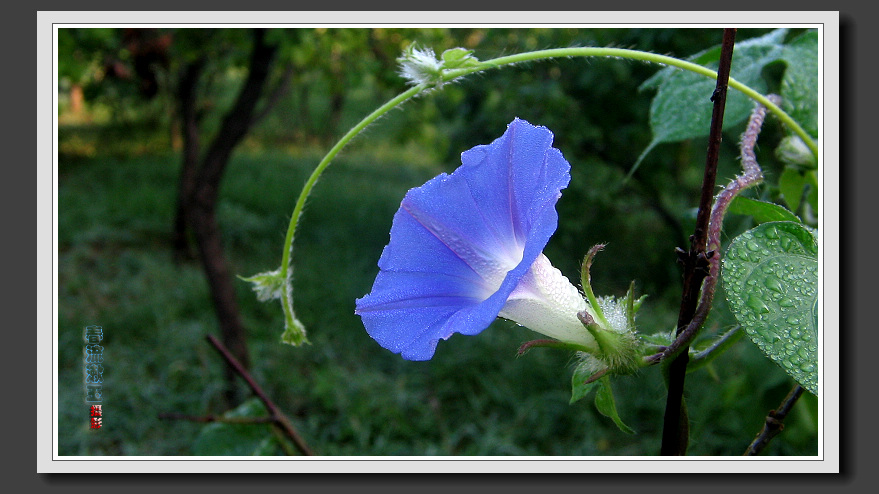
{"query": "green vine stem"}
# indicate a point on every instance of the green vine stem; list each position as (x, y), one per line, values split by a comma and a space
(294, 329)
(292, 323)
(726, 340)
(642, 56)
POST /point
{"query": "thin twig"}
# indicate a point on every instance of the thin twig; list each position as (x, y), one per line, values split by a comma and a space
(216, 418)
(675, 433)
(774, 422)
(275, 413)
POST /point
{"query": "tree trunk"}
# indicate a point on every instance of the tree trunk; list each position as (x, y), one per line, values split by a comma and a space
(199, 190)
(187, 99)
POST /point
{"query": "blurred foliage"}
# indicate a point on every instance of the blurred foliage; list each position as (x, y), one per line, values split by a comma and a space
(118, 162)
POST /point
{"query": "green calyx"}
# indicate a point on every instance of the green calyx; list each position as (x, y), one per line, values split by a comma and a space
(421, 66)
(611, 321)
(272, 285)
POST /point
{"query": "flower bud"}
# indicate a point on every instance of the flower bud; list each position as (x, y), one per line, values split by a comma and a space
(793, 151)
(421, 66)
(268, 285)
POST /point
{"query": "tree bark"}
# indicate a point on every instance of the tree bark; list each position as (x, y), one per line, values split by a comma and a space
(187, 101)
(199, 190)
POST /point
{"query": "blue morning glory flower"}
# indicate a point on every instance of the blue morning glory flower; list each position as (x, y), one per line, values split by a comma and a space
(466, 248)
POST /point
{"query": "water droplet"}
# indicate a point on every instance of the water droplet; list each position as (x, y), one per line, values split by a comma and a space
(756, 303)
(785, 243)
(773, 284)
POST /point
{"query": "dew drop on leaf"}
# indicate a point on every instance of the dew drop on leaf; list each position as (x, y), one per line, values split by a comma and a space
(770, 275)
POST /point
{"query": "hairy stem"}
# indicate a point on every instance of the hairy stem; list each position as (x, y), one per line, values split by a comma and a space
(644, 57)
(752, 176)
(286, 272)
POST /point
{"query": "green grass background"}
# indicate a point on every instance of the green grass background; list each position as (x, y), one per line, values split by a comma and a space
(345, 394)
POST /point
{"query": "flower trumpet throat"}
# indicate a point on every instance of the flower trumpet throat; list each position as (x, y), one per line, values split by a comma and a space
(547, 303)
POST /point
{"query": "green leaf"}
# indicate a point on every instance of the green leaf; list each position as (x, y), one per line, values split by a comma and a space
(799, 85)
(792, 183)
(605, 404)
(762, 212)
(792, 151)
(812, 196)
(770, 274)
(661, 338)
(238, 439)
(579, 390)
(682, 106)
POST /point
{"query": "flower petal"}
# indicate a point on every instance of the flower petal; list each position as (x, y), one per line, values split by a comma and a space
(461, 243)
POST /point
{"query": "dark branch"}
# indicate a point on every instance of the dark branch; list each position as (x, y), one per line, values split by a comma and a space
(774, 422)
(187, 97)
(675, 435)
(280, 90)
(239, 120)
(752, 175)
(276, 414)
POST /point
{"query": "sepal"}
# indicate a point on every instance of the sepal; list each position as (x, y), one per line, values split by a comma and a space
(268, 285)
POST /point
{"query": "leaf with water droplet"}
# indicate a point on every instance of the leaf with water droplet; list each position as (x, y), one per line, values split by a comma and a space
(762, 212)
(784, 327)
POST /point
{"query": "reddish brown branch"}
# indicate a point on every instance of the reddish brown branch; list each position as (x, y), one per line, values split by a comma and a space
(277, 416)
